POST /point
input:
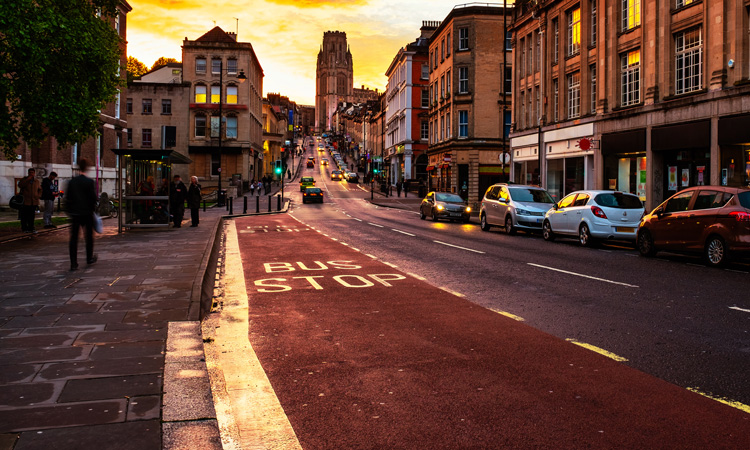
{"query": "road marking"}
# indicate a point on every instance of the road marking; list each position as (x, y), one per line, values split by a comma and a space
(740, 309)
(596, 349)
(358, 220)
(735, 271)
(457, 294)
(456, 246)
(390, 265)
(371, 256)
(403, 232)
(726, 401)
(582, 275)
(375, 225)
(418, 277)
(507, 314)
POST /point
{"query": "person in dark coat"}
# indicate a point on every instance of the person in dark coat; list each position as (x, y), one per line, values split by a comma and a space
(177, 195)
(194, 200)
(80, 202)
(31, 189)
(48, 195)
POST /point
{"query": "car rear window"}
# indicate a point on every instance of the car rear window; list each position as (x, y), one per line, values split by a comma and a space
(313, 190)
(619, 200)
(744, 198)
(530, 195)
(307, 180)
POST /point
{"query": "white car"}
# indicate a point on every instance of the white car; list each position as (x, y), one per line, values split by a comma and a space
(593, 215)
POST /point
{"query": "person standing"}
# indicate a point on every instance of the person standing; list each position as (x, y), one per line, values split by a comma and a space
(31, 190)
(399, 186)
(177, 195)
(194, 200)
(49, 192)
(81, 203)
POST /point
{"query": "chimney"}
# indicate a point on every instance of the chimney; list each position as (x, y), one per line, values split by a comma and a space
(232, 35)
(428, 28)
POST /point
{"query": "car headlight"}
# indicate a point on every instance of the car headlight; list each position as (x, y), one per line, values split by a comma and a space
(468, 209)
(440, 207)
(523, 212)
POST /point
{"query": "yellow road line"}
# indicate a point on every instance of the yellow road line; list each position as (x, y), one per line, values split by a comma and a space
(507, 314)
(726, 401)
(596, 349)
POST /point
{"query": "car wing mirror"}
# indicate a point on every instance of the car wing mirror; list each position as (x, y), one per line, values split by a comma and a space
(555, 206)
(659, 211)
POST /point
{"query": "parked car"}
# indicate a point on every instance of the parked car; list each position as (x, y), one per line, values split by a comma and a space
(444, 205)
(336, 175)
(515, 207)
(593, 215)
(352, 177)
(709, 220)
(306, 182)
(312, 194)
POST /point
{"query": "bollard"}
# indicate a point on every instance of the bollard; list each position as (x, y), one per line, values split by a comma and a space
(269, 203)
(204, 205)
(231, 206)
(278, 203)
(257, 204)
(244, 210)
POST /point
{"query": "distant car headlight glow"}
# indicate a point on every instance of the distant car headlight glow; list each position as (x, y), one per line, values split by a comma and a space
(440, 207)
(468, 209)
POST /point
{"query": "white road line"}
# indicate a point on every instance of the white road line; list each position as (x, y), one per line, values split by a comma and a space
(456, 246)
(371, 256)
(375, 225)
(739, 309)
(390, 265)
(583, 276)
(403, 232)
(358, 220)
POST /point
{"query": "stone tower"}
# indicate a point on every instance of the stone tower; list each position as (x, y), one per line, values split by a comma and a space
(334, 77)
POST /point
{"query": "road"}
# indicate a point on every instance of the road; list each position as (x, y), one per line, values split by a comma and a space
(670, 317)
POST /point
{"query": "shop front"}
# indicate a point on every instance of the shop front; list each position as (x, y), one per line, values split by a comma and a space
(734, 145)
(685, 154)
(440, 172)
(624, 162)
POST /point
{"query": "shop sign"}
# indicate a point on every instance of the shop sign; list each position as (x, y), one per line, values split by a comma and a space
(701, 170)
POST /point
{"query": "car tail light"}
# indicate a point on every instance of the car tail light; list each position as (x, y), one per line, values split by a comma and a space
(598, 212)
(740, 216)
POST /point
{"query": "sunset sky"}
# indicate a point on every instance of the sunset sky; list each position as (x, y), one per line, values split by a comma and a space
(286, 34)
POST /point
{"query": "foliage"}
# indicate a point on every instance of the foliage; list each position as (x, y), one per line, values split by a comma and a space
(59, 65)
(135, 68)
(163, 62)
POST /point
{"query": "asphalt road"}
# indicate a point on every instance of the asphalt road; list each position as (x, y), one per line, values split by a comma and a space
(670, 317)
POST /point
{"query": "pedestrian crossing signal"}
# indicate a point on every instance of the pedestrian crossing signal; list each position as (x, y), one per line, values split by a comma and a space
(277, 169)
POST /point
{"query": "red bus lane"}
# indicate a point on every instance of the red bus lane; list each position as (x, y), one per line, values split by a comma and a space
(363, 356)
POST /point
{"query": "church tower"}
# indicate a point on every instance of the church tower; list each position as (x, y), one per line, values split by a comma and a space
(334, 78)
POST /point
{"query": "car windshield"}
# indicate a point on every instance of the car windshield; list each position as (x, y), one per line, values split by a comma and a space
(450, 198)
(530, 195)
(619, 200)
(744, 198)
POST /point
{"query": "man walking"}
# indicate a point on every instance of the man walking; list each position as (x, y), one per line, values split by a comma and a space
(194, 200)
(177, 196)
(31, 190)
(48, 195)
(81, 203)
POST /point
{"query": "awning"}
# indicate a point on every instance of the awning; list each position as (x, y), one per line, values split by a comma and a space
(171, 156)
(430, 168)
(445, 166)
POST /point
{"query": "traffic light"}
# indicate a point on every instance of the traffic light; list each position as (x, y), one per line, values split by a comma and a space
(277, 169)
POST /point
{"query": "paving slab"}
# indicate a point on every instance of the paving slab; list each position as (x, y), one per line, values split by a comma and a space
(141, 435)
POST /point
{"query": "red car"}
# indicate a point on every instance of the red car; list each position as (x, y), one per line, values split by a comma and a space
(709, 220)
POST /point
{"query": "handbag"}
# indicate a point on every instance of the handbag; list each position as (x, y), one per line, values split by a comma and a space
(98, 225)
(16, 202)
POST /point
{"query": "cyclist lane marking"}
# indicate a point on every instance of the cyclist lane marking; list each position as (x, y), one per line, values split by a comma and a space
(362, 355)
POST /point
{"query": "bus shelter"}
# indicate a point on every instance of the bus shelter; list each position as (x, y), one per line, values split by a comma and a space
(143, 181)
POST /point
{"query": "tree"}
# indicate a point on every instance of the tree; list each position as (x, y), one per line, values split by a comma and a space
(163, 62)
(135, 69)
(59, 65)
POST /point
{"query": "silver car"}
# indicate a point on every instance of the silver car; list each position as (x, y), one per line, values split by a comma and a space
(515, 207)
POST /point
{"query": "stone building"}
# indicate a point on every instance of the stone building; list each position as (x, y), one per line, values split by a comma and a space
(334, 78)
(647, 97)
(467, 114)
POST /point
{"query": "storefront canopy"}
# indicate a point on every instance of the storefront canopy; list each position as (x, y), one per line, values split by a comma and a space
(170, 156)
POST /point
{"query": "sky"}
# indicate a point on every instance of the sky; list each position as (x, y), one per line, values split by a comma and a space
(286, 34)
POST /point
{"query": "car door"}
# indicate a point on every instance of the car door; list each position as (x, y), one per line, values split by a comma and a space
(490, 205)
(503, 199)
(427, 204)
(577, 211)
(702, 214)
(667, 228)
(558, 217)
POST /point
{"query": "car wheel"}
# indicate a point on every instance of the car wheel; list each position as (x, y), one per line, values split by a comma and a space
(645, 243)
(716, 253)
(547, 233)
(421, 214)
(509, 225)
(483, 223)
(434, 216)
(584, 236)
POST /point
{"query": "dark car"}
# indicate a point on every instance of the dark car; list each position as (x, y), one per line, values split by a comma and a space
(710, 220)
(444, 205)
(352, 177)
(312, 194)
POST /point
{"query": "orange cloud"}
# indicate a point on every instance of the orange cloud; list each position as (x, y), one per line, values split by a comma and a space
(319, 3)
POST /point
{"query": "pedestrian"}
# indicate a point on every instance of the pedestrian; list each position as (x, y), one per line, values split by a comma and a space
(49, 192)
(80, 203)
(399, 186)
(406, 189)
(177, 195)
(251, 187)
(194, 200)
(289, 173)
(31, 190)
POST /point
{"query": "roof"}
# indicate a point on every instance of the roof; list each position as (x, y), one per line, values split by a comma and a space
(217, 35)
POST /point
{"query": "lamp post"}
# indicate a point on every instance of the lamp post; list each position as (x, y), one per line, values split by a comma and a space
(241, 77)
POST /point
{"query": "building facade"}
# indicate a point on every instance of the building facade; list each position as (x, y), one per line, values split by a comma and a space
(225, 125)
(468, 61)
(643, 97)
(334, 78)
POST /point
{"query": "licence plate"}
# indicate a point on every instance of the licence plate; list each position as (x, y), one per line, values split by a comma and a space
(624, 229)
(455, 214)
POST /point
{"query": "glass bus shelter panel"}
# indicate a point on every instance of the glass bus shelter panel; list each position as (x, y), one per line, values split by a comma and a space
(146, 193)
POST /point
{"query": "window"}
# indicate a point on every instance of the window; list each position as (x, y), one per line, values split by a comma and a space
(129, 106)
(522, 118)
(448, 82)
(216, 66)
(574, 95)
(442, 50)
(232, 66)
(522, 62)
(215, 94)
(232, 95)
(200, 94)
(231, 128)
(130, 137)
(442, 127)
(425, 98)
(508, 41)
(448, 45)
(200, 65)
(448, 132)
(74, 152)
(442, 86)
(630, 77)
(688, 61)
(425, 71)
(631, 14)
(567, 202)
(507, 124)
(200, 126)
(679, 202)
(117, 105)
(425, 130)
(146, 102)
(574, 32)
(581, 200)
(463, 38)
(463, 124)
(556, 100)
(215, 125)
(681, 3)
(508, 80)
(530, 54)
(538, 52)
(146, 138)
(117, 22)
(711, 199)
(463, 80)
(555, 41)
(593, 23)
(166, 106)
(592, 72)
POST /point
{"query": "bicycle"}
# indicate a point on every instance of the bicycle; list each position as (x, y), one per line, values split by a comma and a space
(107, 209)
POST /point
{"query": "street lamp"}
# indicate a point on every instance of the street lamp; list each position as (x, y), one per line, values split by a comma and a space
(241, 77)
